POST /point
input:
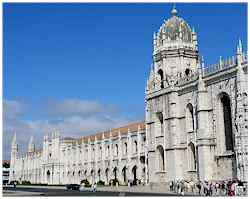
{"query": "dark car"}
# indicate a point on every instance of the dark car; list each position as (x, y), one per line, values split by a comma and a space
(73, 187)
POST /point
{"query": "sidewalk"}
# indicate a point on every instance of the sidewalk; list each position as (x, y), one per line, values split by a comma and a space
(10, 193)
(138, 189)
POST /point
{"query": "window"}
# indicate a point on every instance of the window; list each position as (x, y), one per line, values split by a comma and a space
(227, 122)
(116, 149)
(125, 148)
(160, 117)
(135, 147)
(160, 73)
(189, 118)
(192, 156)
(160, 154)
(100, 152)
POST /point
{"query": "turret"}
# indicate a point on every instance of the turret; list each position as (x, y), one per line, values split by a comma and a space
(14, 153)
(31, 147)
(201, 85)
(14, 146)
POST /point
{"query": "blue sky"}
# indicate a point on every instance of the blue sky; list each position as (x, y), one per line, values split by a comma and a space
(66, 64)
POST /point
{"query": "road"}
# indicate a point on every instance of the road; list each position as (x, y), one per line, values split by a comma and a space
(31, 191)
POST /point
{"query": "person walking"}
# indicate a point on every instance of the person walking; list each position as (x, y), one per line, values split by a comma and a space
(199, 187)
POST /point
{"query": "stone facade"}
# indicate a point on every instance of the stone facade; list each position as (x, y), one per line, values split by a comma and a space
(116, 154)
(195, 126)
(196, 115)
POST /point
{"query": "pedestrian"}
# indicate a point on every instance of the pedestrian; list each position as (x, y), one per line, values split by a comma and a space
(210, 189)
(95, 187)
(199, 187)
(171, 185)
(15, 184)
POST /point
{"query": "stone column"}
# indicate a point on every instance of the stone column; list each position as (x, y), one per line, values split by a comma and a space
(204, 138)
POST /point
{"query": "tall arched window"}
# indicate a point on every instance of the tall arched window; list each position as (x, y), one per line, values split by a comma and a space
(189, 118)
(192, 156)
(100, 152)
(160, 117)
(125, 148)
(160, 73)
(116, 150)
(160, 154)
(227, 120)
(107, 151)
(135, 147)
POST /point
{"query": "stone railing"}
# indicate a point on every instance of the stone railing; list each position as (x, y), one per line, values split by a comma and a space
(228, 63)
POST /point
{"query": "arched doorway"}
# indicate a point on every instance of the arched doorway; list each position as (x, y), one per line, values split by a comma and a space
(115, 173)
(99, 174)
(107, 175)
(134, 172)
(92, 173)
(48, 177)
(124, 174)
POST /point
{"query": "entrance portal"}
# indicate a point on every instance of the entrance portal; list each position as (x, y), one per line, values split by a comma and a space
(134, 169)
(48, 177)
(124, 174)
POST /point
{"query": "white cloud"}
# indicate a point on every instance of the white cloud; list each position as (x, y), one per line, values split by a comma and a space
(72, 117)
(78, 107)
(12, 109)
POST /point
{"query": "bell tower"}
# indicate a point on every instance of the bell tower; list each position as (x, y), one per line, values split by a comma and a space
(175, 51)
(175, 56)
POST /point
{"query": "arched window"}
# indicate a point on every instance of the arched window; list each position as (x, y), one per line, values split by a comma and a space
(86, 156)
(100, 152)
(192, 156)
(135, 147)
(189, 118)
(160, 73)
(227, 120)
(116, 150)
(107, 151)
(125, 148)
(160, 154)
(160, 117)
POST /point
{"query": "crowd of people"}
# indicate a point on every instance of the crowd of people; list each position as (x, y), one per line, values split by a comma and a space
(209, 188)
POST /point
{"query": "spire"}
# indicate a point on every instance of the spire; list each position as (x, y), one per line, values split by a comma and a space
(14, 139)
(174, 11)
(239, 53)
(201, 85)
(31, 147)
(31, 140)
(193, 31)
(239, 47)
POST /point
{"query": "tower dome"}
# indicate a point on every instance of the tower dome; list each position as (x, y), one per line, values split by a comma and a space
(175, 29)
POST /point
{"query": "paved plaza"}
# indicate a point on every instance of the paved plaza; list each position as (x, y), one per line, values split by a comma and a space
(101, 191)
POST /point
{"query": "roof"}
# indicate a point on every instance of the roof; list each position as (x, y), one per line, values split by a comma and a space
(113, 133)
(175, 28)
(6, 161)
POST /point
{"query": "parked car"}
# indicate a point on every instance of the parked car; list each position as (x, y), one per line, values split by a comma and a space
(73, 187)
(6, 186)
